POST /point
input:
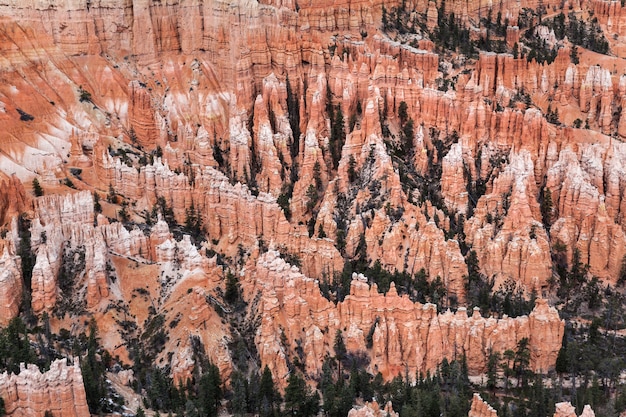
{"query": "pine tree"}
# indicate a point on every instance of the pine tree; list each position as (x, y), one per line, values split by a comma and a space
(317, 176)
(193, 222)
(351, 169)
(507, 366)
(546, 208)
(123, 213)
(210, 391)
(345, 399)
(239, 401)
(403, 113)
(93, 373)
(337, 136)
(574, 55)
(15, 347)
(407, 135)
(97, 207)
(552, 116)
(622, 272)
(84, 95)
(385, 19)
(112, 196)
(341, 353)
(293, 108)
(37, 188)
(232, 293)
(492, 370)
(522, 362)
(283, 203)
(268, 395)
(312, 196)
(295, 394)
(327, 385)
(562, 361)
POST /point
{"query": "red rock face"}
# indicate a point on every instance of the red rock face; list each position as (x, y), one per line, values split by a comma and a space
(372, 410)
(198, 104)
(32, 393)
(480, 408)
(10, 287)
(405, 335)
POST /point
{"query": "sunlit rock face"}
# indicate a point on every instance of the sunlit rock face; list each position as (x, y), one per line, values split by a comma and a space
(156, 112)
(59, 390)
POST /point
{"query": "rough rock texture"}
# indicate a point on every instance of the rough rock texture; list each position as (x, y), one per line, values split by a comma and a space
(232, 214)
(406, 336)
(506, 241)
(67, 222)
(201, 79)
(198, 104)
(480, 408)
(566, 409)
(10, 286)
(373, 410)
(31, 393)
(13, 199)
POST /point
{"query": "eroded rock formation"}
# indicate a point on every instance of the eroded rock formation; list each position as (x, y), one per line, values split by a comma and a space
(373, 410)
(31, 393)
(10, 286)
(229, 111)
(480, 408)
(404, 336)
(566, 409)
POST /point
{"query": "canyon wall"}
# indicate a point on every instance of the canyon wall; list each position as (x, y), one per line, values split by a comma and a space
(31, 393)
(404, 336)
(229, 111)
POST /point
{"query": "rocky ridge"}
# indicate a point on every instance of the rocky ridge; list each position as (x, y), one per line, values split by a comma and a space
(405, 336)
(480, 408)
(59, 390)
(372, 410)
(227, 109)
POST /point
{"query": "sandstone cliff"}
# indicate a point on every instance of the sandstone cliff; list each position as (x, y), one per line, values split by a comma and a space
(241, 123)
(480, 408)
(32, 393)
(229, 111)
(372, 410)
(405, 336)
(10, 287)
(566, 409)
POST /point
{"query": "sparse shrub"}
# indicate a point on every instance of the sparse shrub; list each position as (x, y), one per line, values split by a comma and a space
(83, 95)
(25, 117)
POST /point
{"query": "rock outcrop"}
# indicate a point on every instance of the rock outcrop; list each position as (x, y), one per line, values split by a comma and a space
(405, 336)
(480, 408)
(10, 286)
(230, 111)
(373, 410)
(218, 98)
(565, 409)
(31, 393)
